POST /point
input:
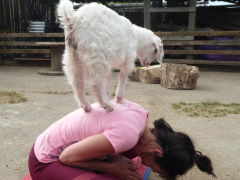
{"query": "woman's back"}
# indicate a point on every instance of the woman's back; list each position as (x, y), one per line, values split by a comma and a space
(122, 127)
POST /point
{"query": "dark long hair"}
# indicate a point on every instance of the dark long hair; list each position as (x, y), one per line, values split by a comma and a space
(179, 154)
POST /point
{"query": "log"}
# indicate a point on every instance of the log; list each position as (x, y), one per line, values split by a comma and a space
(179, 76)
(146, 75)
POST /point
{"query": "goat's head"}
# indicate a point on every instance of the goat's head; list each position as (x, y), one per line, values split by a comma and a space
(150, 51)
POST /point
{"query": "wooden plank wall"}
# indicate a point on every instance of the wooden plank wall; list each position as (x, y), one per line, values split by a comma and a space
(14, 14)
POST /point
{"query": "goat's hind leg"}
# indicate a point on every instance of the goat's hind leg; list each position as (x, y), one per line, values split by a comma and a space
(74, 70)
(99, 80)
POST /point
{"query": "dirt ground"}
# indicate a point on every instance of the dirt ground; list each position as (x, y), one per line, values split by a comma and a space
(49, 98)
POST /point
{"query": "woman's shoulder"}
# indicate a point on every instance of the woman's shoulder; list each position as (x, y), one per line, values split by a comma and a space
(127, 103)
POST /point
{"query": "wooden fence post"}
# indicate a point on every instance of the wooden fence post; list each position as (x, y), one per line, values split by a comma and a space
(0, 59)
(147, 4)
(154, 18)
(191, 24)
(56, 57)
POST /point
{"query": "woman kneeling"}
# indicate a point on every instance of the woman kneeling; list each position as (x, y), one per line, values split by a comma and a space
(106, 142)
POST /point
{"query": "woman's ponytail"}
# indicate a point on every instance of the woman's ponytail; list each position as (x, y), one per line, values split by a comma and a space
(203, 163)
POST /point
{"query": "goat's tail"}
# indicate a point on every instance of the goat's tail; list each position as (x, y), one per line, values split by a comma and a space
(65, 13)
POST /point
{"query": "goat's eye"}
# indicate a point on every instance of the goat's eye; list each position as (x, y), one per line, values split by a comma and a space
(155, 50)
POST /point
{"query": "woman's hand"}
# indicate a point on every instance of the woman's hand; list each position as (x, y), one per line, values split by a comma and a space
(125, 171)
(119, 158)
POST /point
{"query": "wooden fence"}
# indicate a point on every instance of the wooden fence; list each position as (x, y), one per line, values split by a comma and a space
(186, 38)
(180, 38)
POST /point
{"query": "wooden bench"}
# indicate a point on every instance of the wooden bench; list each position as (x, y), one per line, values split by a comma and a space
(56, 48)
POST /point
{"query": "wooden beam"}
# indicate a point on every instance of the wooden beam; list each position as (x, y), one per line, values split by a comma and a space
(32, 35)
(177, 38)
(4, 43)
(154, 17)
(198, 33)
(225, 52)
(201, 42)
(172, 9)
(191, 24)
(173, 41)
(147, 4)
(205, 62)
(31, 59)
(56, 56)
(24, 50)
(0, 59)
(177, 33)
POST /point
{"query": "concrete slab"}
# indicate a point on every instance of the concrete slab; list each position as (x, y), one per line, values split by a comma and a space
(20, 124)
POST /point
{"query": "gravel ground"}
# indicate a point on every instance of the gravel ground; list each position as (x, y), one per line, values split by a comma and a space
(21, 123)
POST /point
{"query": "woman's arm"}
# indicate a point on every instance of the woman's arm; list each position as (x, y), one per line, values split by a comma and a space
(83, 153)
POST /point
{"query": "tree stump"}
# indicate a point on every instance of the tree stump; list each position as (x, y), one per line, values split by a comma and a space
(146, 75)
(179, 76)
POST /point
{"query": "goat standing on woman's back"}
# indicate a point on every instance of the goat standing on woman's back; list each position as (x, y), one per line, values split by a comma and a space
(97, 40)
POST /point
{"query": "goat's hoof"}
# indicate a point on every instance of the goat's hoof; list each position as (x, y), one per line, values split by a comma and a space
(119, 100)
(108, 108)
(87, 108)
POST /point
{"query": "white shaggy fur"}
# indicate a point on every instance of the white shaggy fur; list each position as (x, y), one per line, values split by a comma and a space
(97, 40)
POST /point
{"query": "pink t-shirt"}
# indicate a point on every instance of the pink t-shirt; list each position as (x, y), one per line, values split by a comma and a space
(122, 127)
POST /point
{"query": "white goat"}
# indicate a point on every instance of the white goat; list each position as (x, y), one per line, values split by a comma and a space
(97, 40)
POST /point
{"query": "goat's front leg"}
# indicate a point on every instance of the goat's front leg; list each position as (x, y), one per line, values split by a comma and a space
(98, 90)
(122, 79)
(107, 85)
(122, 82)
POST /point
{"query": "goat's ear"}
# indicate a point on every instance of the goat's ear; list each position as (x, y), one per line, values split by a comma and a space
(160, 47)
(159, 54)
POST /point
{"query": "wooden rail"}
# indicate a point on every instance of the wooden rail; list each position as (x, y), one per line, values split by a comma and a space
(32, 35)
(225, 52)
(182, 38)
(174, 33)
(204, 62)
(4, 43)
(165, 42)
(186, 36)
(56, 48)
(172, 9)
(201, 42)
(25, 51)
(198, 33)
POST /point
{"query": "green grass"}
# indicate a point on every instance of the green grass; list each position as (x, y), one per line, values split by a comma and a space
(115, 70)
(176, 106)
(11, 97)
(113, 94)
(47, 107)
(55, 92)
(207, 108)
(183, 103)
